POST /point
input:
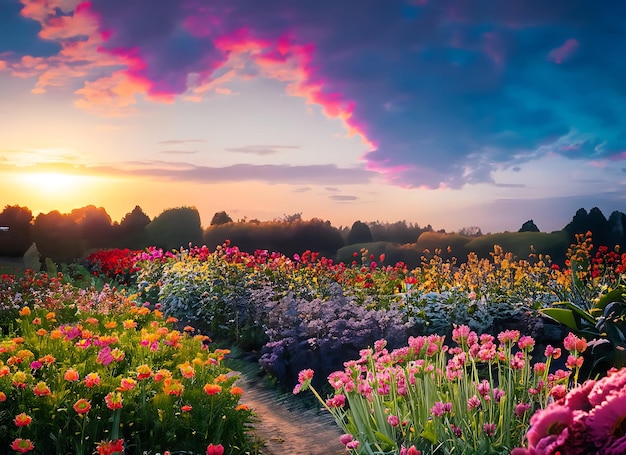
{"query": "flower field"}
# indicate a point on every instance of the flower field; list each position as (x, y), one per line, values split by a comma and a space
(85, 371)
(450, 357)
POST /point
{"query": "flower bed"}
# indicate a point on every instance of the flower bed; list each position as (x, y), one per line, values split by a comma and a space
(108, 375)
(473, 398)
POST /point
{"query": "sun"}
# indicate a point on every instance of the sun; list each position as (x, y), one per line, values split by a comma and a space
(51, 183)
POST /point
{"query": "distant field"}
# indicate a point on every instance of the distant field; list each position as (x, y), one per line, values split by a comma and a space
(11, 265)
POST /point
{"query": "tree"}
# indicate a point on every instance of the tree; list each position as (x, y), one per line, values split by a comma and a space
(57, 237)
(221, 218)
(292, 218)
(471, 231)
(19, 236)
(175, 228)
(359, 233)
(131, 230)
(529, 226)
(94, 226)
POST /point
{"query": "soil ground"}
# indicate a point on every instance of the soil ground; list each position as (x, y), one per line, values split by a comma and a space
(285, 426)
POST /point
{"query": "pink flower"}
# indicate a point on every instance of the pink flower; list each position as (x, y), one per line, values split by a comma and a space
(489, 429)
(521, 409)
(550, 351)
(574, 344)
(508, 336)
(440, 408)
(337, 401)
(526, 343)
(304, 380)
(473, 403)
(547, 424)
(393, 420)
(574, 362)
(345, 438)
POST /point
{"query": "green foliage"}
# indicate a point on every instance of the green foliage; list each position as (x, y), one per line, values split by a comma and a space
(359, 233)
(593, 301)
(175, 228)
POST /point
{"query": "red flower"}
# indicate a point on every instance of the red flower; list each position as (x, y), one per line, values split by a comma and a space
(82, 406)
(110, 447)
(215, 449)
(22, 445)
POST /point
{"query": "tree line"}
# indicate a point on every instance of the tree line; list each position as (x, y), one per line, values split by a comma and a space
(64, 237)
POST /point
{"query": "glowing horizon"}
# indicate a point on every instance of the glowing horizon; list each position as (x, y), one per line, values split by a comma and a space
(431, 112)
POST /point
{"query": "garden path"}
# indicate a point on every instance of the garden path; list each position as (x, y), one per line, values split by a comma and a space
(285, 427)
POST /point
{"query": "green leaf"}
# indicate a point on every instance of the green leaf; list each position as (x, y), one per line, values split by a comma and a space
(429, 432)
(616, 295)
(385, 440)
(563, 316)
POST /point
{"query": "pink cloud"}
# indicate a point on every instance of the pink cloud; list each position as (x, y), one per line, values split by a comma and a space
(564, 52)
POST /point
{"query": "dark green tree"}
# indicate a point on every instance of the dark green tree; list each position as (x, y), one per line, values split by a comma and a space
(18, 235)
(57, 237)
(221, 218)
(175, 228)
(131, 230)
(529, 226)
(359, 233)
(94, 227)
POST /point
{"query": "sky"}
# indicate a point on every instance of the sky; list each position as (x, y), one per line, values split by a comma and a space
(452, 113)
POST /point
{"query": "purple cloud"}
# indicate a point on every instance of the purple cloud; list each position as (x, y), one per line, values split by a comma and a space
(443, 92)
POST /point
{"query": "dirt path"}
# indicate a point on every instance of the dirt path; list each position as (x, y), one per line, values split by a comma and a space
(286, 428)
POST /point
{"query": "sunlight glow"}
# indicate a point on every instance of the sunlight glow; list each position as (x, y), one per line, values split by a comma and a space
(53, 183)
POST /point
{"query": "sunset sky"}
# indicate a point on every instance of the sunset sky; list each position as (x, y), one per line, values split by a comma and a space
(452, 113)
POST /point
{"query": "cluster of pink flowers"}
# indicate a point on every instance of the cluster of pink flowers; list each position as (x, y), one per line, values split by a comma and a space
(590, 418)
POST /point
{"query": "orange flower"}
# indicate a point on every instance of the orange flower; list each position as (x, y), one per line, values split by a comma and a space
(41, 389)
(158, 314)
(130, 324)
(82, 406)
(22, 445)
(162, 374)
(37, 321)
(71, 375)
(171, 319)
(4, 371)
(237, 391)
(22, 420)
(173, 387)
(51, 316)
(47, 359)
(113, 400)
(25, 311)
(42, 332)
(188, 328)
(92, 380)
(242, 407)
(220, 378)
(18, 340)
(186, 408)
(110, 324)
(3, 397)
(212, 389)
(126, 384)
(56, 334)
(92, 321)
(186, 370)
